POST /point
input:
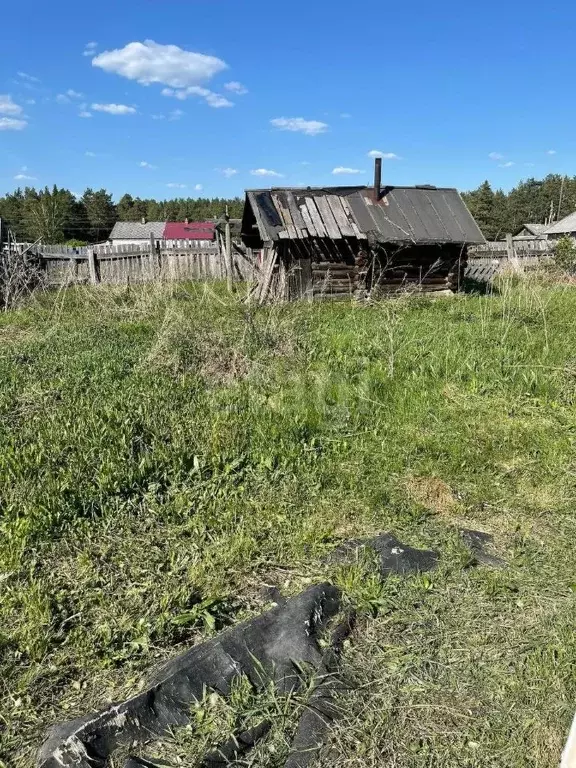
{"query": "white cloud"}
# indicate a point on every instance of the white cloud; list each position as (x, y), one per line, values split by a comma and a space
(198, 187)
(213, 99)
(114, 109)
(551, 152)
(145, 164)
(305, 162)
(9, 107)
(265, 172)
(175, 114)
(90, 154)
(299, 125)
(11, 124)
(24, 177)
(31, 101)
(496, 156)
(66, 98)
(90, 49)
(84, 113)
(235, 87)
(229, 172)
(150, 62)
(509, 164)
(174, 185)
(384, 155)
(529, 165)
(345, 115)
(340, 170)
(29, 78)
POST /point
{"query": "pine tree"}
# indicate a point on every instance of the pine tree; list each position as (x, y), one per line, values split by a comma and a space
(48, 214)
(12, 214)
(124, 208)
(501, 216)
(481, 205)
(100, 213)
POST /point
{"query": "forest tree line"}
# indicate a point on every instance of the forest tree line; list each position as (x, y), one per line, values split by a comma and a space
(530, 201)
(56, 216)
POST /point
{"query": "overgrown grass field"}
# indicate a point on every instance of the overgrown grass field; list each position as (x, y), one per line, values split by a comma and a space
(167, 452)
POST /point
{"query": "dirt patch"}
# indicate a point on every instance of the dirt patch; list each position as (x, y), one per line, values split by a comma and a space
(433, 494)
(224, 366)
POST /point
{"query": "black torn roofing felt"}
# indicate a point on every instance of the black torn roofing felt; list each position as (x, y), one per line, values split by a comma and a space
(393, 556)
(142, 762)
(234, 747)
(273, 646)
(478, 543)
(276, 646)
(322, 708)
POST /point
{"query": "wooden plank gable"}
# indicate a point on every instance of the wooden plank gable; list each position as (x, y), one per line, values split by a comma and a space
(316, 218)
(328, 217)
(340, 216)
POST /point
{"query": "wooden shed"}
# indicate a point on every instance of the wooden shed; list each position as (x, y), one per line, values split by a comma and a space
(364, 241)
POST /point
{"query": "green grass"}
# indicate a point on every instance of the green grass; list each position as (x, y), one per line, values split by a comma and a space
(166, 452)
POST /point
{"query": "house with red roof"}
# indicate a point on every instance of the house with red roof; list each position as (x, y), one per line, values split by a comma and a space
(166, 234)
(202, 233)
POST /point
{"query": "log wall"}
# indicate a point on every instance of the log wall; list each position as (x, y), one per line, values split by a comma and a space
(322, 269)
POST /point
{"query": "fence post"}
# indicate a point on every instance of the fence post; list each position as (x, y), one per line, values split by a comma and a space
(74, 269)
(154, 251)
(92, 266)
(511, 253)
(229, 274)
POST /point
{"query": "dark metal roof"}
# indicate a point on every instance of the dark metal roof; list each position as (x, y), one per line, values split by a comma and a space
(402, 214)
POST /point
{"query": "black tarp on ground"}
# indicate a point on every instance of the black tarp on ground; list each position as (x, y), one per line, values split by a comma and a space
(393, 556)
(276, 646)
(273, 646)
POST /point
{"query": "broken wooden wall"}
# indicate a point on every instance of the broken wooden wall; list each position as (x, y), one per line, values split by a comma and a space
(317, 269)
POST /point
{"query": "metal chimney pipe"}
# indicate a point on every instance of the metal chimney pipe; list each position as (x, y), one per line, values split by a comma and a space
(377, 178)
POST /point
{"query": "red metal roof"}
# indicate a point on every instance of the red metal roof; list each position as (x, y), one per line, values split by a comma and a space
(195, 230)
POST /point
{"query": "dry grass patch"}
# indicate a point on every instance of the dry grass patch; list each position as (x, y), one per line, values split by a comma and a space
(433, 494)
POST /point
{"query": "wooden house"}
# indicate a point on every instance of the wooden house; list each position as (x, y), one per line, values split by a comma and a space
(532, 230)
(136, 232)
(363, 241)
(566, 227)
(166, 234)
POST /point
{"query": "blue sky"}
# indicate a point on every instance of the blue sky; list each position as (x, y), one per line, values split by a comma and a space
(165, 98)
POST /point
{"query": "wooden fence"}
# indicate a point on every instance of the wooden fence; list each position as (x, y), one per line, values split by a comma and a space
(487, 260)
(137, 264)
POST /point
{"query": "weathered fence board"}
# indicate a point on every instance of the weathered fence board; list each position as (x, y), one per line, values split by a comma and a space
(487, 260)
(138, 264)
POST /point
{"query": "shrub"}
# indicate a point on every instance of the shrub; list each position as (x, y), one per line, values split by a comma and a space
(73, 243)
(565, 253)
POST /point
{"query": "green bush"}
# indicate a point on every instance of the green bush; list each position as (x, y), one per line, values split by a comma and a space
(76, 243)
(565, 253)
